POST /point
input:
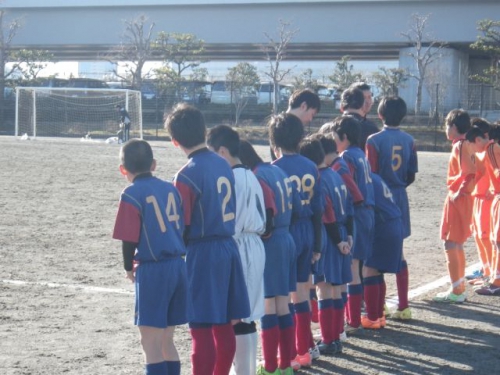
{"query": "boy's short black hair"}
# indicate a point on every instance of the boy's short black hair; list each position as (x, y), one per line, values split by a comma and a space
(363, 86)
(306, 95)
(348, 126)
(224, 136)
(136, 156)
(286, 131)
(248, 155)
(326, 128)
(494, 132)
(460, 119)
(473, 133)
(481, 123)
(352, 98)
(392, 109)
(327, 142)
(311, 148)
(186, 125)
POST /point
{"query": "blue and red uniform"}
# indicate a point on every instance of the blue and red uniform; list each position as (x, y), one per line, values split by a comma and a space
(363, 212)
(217, 287)
(393, 156)
(304, 176)
(150, 215)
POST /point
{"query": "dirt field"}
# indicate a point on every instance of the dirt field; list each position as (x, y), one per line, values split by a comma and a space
(66, 308)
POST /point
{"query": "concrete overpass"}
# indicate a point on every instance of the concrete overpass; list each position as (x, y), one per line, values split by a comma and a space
(233, 29)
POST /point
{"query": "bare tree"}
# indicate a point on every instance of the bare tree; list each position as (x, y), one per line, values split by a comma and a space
(426, 50)
(134, 51)
(243, 79)
(275, 52)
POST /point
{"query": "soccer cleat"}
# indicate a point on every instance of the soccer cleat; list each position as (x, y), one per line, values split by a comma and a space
(386, 310)
(450, 297)
(262, 371)
(315, 352)
(474, 275)
(488, 289)
(343, 336)
(304, 360)
(287, 371)
(369, 324)
(295, 365)
(334, 347)
(478, 281)
(402, 314)
(350, 329)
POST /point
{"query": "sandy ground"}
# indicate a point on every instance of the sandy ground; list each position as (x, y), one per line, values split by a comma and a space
(66, 308)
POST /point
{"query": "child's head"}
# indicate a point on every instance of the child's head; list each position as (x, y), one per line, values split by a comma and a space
(304, 104)
(346, 131)
(457, 123)
(367, 94)
(352, 99)
(329, 146)
(186, 126)
(482, 124)
(311, 148)
(477, 139)
(248, 155)
(136, 157)
(285, 132)
(224, 139)
(392, 110)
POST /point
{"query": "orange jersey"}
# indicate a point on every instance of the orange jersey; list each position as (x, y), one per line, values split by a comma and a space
(482, 179)
(492, 164)
(461, 165)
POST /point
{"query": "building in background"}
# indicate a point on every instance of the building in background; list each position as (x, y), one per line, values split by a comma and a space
(96, 69)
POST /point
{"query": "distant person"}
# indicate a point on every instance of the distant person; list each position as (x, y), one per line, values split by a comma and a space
(354, 102)
(124, 132)
(457, 211)
(144, 227)
(250, 224)
(393, 156)
(216, 287)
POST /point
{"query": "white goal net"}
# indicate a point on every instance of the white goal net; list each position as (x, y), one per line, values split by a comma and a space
(65, 112)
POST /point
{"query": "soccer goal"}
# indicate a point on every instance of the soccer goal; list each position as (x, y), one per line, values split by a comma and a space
(66, 112)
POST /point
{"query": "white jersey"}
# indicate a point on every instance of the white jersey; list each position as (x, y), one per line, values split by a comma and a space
(250, 207)
(250, 224)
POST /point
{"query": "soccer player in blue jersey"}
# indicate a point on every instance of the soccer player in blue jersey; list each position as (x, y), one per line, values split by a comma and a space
(279, 274)
(386, 255)
(335, 263)
(250, 224)
(286, 132)
(393, 156)
(217, 287)
(150, 224)
(347, 130)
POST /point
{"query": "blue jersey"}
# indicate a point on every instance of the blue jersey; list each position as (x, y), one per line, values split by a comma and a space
(392, 155)
(361, 172)
(304, 176)
(150, 214)
(277, 190)
(385, 208)
(206, 184)
(338, 201)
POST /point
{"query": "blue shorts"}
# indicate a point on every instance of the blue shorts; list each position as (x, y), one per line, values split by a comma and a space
(161, 293)
(400, 197)
(303, 234)
(387, 247)
(280, 277)
(364, 219)
(335, 267)
(217, 289)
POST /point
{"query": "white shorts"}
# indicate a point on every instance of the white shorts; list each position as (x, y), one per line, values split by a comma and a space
(253, 261)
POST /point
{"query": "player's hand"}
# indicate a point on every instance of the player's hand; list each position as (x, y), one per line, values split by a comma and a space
(344, 247)
(350, 242)
(455, 196)
(316, 257)
(130, 275)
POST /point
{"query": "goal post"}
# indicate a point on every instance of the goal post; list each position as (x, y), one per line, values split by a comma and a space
(68, 112)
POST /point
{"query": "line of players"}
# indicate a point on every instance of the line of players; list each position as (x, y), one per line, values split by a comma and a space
(254, 234)
(472, 205)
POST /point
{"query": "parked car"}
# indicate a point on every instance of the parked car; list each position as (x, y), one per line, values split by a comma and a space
(197, 92)
(221, 93)
(266, 92)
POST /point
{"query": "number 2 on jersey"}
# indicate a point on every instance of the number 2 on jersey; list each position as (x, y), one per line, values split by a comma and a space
(223, 181)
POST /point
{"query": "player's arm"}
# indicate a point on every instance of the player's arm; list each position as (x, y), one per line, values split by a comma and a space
(372, 155)
(317, 217)
(332, 226)
(270, 204)
(188, 198)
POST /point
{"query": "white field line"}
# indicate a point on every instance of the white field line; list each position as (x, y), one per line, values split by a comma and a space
(391, 301)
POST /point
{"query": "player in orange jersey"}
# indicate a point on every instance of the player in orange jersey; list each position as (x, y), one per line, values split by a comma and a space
(492, 165)
(457, 211)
